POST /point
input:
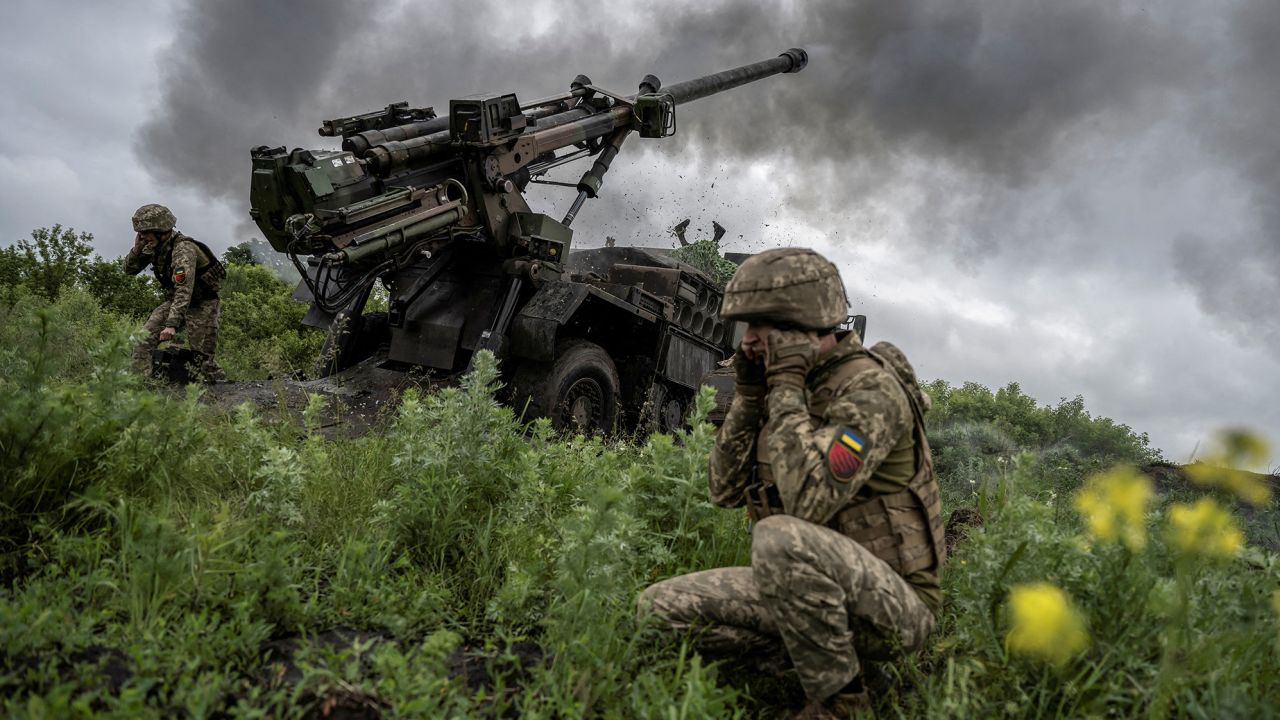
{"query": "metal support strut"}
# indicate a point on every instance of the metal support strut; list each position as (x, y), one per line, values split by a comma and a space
(589, 185)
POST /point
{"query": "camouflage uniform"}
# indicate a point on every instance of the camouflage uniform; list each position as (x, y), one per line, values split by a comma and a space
(190, 275)
(833, 465)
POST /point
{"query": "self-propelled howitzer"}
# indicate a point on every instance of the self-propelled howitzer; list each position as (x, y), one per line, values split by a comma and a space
(433, 206)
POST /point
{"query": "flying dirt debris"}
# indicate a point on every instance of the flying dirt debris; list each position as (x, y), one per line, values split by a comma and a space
(433, 208)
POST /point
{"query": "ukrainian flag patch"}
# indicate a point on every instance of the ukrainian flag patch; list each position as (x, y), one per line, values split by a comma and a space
(845, 456)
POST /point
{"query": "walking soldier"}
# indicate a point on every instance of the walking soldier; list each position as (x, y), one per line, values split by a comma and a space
(190, 275)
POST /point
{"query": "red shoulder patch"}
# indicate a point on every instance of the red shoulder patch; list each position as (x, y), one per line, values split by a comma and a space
(844, 457)
(180, 276)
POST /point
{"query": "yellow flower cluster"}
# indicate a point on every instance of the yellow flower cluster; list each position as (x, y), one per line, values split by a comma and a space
(1044, 624)
(1205, 529)
(1229, 462)
(1114, 505)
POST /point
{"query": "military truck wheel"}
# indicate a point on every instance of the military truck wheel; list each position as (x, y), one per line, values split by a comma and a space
(668, 410)
(578, 391)
(341, 349)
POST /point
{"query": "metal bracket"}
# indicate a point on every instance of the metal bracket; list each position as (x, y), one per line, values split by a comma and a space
(620, 98)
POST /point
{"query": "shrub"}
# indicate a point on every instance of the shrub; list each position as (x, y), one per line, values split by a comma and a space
(261, 331)
(72, 417)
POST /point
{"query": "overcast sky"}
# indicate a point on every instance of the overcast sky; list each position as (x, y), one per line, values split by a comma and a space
(1081, 197)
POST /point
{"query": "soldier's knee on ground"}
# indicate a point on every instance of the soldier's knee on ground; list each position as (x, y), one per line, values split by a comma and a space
(644, 604)
(654, 606)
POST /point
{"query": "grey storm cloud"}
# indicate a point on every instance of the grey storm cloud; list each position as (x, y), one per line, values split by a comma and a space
(991, 85)
(993, 91)
(236, 70)
(1236, 274)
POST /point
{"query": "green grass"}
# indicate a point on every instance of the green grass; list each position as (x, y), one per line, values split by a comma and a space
(157, 555)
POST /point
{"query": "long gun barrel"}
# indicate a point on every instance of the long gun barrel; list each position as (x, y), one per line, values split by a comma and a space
(432, 138)
(791, 61)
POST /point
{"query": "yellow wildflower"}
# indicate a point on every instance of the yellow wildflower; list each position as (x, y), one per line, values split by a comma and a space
(1231, 464)
(1205, 529)
(1044, 624)
(1114, 504)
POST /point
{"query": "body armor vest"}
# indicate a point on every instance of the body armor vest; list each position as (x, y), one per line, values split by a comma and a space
(902, 527)
(209, 270)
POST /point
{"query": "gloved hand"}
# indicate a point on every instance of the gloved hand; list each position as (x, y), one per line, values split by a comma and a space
(749, 376)
(790, 356)
(144, 244)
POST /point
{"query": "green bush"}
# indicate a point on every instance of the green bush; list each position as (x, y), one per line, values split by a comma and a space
(261, 334)
(74, 417)
(1036, 427)
(117, 291)
(162, 556)
(976, 435)
(57, 258)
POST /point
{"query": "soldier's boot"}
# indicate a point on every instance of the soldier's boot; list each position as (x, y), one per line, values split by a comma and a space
(141, 367)
(840, 706)
(210, 371)
(141, 361)
(853, 700)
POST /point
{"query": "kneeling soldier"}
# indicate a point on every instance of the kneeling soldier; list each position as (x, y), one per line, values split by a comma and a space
(824, 444)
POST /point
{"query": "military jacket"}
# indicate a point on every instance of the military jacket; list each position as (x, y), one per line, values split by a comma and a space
(186, 269)
(848, 451)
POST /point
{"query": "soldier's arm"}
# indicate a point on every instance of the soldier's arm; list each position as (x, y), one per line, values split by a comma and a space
(819, 468)
(734, 454)
(185, 257)
(135, 262)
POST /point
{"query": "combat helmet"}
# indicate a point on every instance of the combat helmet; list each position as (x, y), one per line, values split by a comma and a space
(790, 286)
(153, 218)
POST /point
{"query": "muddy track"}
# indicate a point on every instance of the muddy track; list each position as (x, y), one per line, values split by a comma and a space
(356, 400)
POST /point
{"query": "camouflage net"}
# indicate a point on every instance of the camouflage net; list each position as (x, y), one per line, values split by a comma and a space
(706, 256)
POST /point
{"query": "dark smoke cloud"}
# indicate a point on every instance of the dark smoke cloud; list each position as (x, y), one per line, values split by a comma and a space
(239, 71)
(992, 84)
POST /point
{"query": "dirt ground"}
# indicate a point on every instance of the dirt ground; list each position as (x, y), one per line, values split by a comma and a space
(357, 398)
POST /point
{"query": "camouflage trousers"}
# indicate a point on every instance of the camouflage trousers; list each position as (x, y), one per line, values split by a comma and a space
(201, 327)
(822, 594)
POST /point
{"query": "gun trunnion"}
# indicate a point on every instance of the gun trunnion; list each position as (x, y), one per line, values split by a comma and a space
(433, 207)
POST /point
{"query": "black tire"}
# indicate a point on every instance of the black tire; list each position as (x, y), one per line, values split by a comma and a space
(579, 390)
(338, 352)
(667, 409)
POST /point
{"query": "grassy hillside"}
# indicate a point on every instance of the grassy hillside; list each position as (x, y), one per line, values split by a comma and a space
(160, 558)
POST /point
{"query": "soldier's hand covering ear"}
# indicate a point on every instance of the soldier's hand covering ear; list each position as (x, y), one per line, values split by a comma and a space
(748, 373)
(791, 354)
(144, 243)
